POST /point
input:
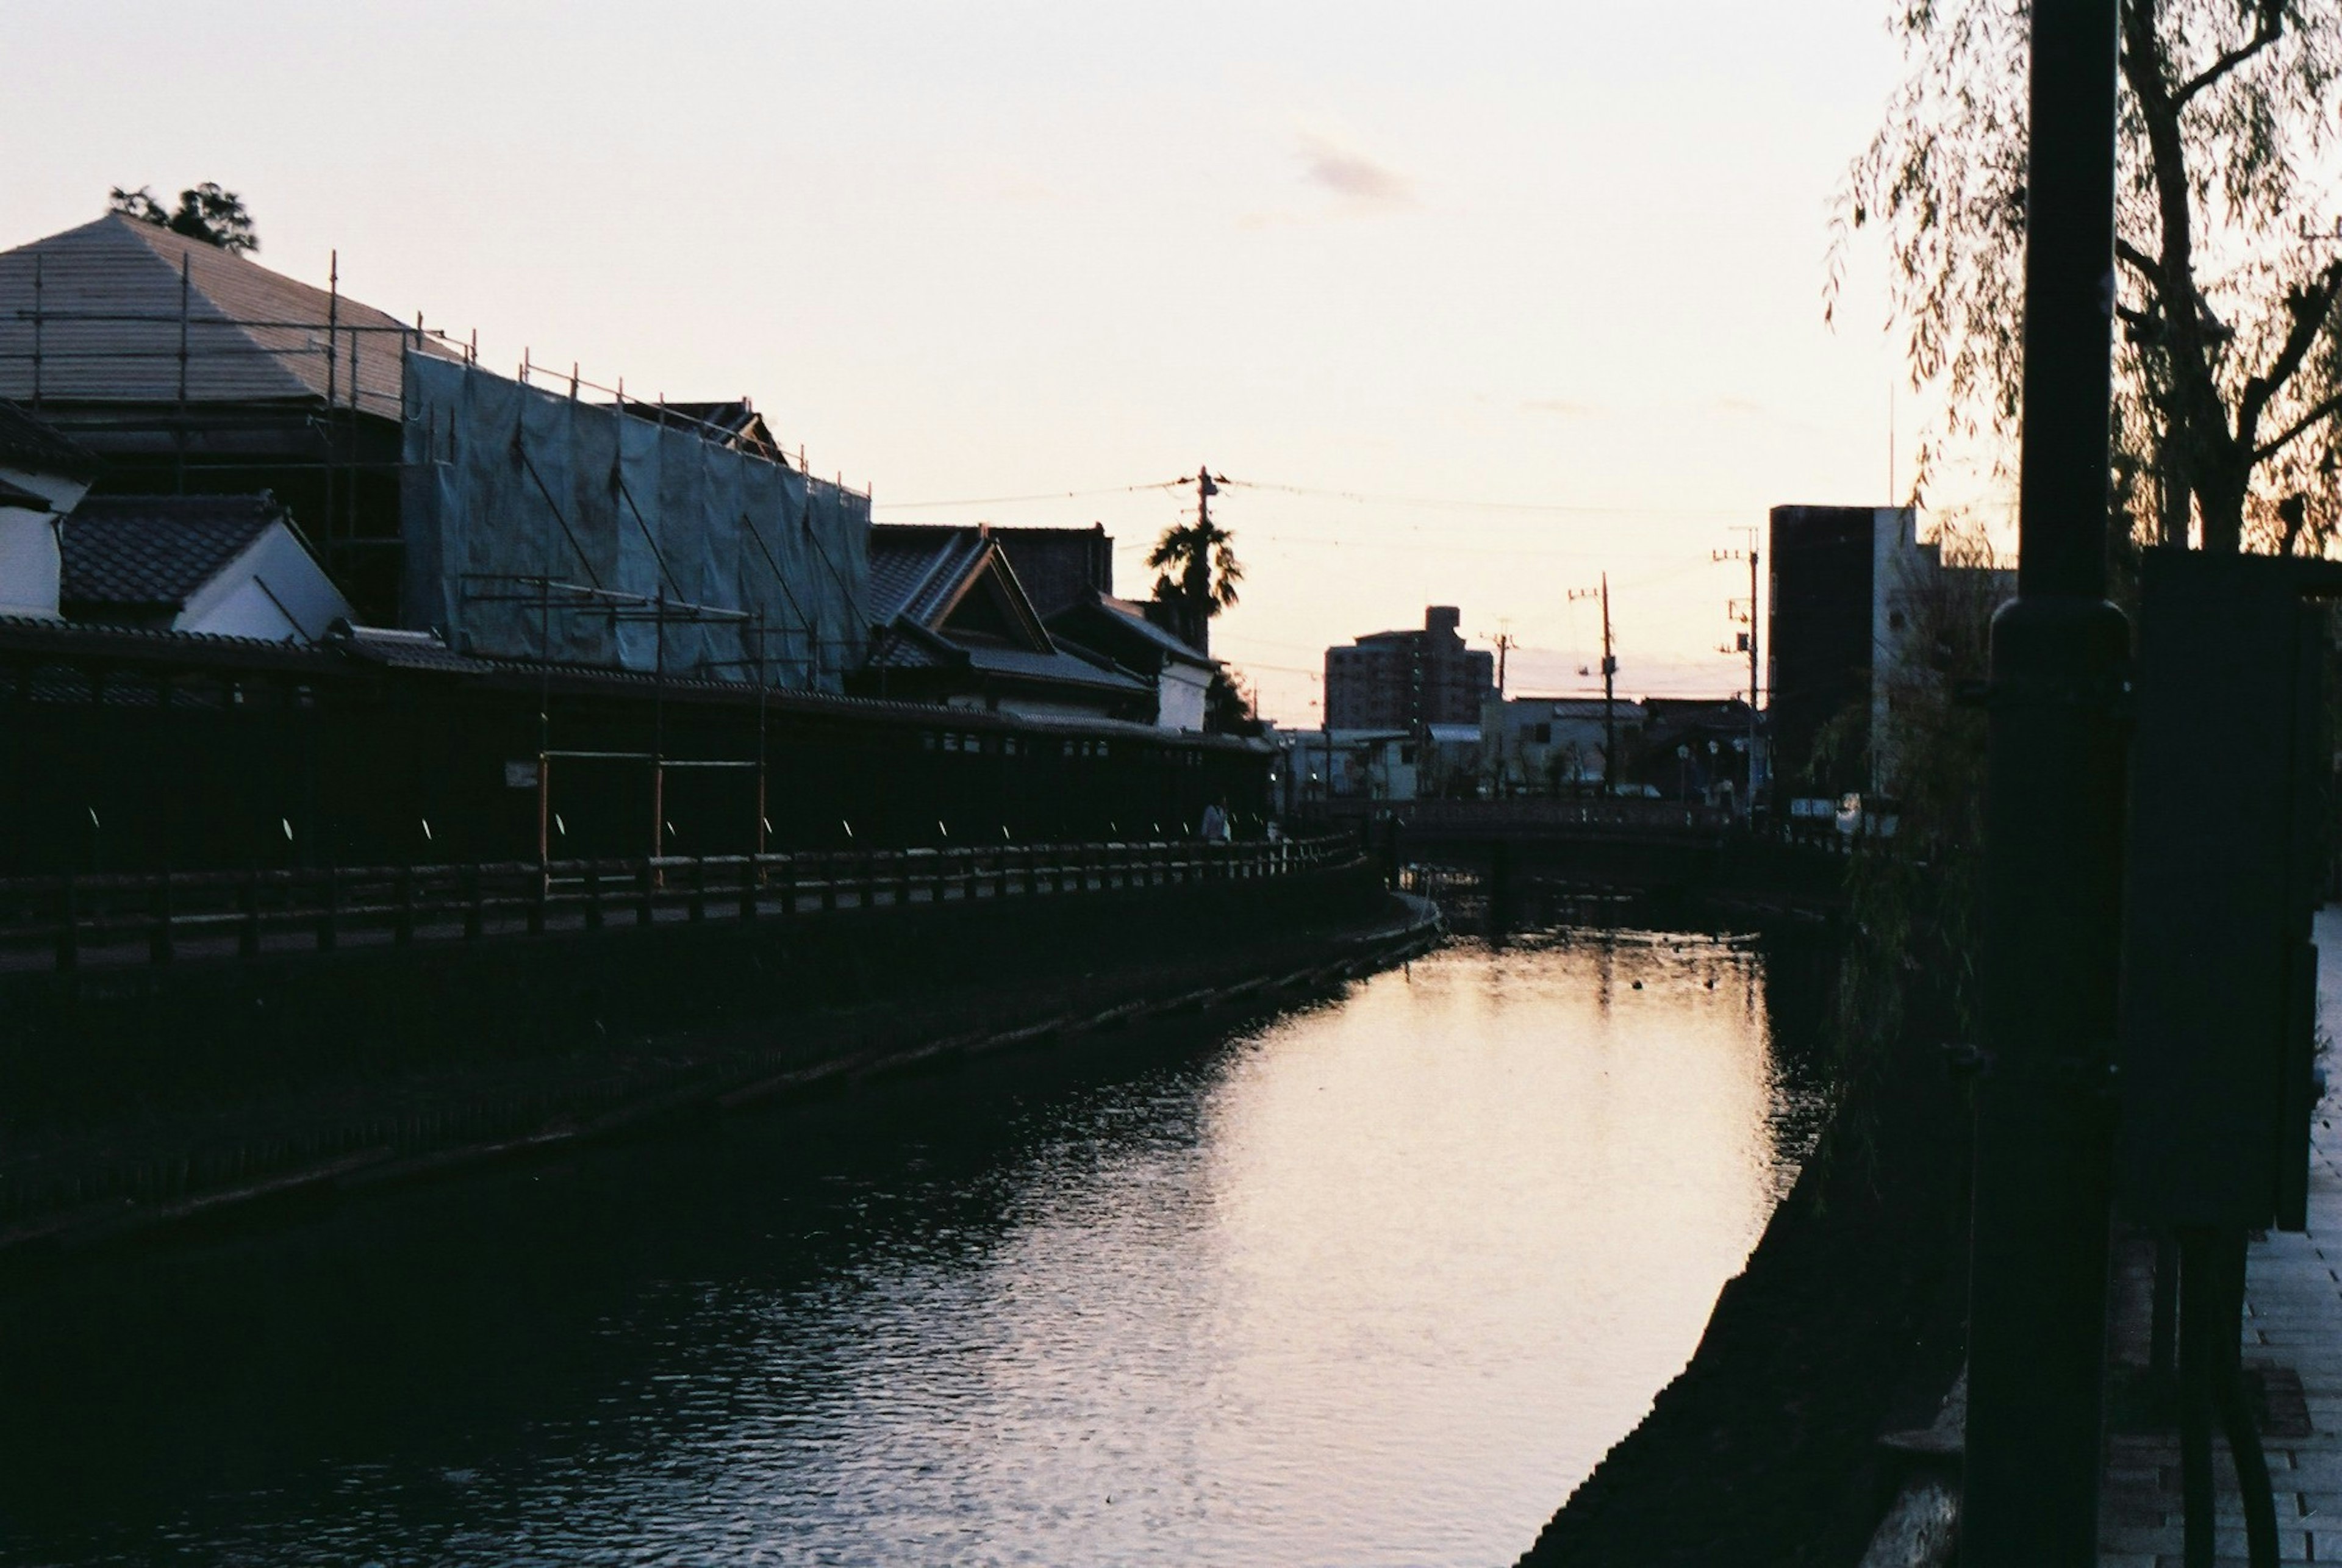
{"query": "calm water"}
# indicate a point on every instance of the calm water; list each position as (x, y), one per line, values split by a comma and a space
(1371, 1283)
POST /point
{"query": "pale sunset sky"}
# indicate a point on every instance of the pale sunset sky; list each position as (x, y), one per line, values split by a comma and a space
(1476, 301)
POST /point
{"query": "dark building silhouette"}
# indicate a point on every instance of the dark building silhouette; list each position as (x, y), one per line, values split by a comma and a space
(1819, 636)
(1404, 680)
(1853, 590)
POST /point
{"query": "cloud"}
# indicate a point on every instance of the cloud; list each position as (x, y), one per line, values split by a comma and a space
(1351, 175)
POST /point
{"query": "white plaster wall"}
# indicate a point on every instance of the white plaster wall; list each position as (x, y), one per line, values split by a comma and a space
(30, 565)
(1179, 697)
(275, 591)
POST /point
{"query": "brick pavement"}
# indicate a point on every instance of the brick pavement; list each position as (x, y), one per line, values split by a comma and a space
(2292, 1319)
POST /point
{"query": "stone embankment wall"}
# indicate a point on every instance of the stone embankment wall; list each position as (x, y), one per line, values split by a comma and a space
(165, 1096)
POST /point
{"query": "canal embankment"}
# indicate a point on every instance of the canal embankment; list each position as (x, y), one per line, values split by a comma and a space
(146, 1100)
(1845, 1325)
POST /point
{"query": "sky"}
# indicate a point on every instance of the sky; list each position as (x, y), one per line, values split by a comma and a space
(1471, 304)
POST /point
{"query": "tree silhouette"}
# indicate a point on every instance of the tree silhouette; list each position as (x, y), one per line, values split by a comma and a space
(1198, 566)
(2228, 373)
(207, 213)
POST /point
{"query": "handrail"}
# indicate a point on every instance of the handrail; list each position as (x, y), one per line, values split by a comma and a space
(124, 919)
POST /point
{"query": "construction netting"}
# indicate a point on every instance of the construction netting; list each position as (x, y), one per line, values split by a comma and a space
(539, 525)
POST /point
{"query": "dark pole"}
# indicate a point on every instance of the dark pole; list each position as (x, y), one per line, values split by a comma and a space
(1609, 699)
(2052, 873)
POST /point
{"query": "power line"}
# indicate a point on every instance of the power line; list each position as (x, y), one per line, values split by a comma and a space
(1037, 496)
(1368, 498)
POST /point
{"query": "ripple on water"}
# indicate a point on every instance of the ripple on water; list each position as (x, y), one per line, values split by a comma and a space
(1373, 1283)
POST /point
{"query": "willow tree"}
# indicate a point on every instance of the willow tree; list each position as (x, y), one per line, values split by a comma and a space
(2228, 368)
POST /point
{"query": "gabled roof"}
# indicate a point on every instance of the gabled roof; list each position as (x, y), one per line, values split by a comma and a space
(1130, 618)
(109, 296)
(735, 423)
(914, 569)
(925, 578)
(37, 447)
(1059, 567)
(948, 580)
(153, 552)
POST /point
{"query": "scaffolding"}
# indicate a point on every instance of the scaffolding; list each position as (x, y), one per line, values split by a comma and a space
(317, 409)
(350, 410)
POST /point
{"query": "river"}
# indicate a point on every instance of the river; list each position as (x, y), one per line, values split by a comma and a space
(1372, 1282)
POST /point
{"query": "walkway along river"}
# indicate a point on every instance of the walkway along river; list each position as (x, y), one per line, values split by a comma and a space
(1376, 1282)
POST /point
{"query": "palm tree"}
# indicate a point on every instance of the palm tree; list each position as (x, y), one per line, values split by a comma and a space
(1198, 566)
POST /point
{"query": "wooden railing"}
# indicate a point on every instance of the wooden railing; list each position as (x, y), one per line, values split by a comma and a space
(67, 922)
(1536, 813)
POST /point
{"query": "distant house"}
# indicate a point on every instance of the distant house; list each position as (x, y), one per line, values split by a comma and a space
(184, 367)
(951, 624)
(1695, 748)
(230, 566)
(1124, 633)
(42, 476)
(1539, 745)
(734, 423)
(436, 493)
(1069, 575)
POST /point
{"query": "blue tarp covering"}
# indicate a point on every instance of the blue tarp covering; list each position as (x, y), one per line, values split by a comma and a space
(507, 484)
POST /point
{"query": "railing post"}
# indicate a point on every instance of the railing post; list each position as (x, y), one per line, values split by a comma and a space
(68, 926)
(248, 940)
(401, 928)
(329, 907)
(159, 946)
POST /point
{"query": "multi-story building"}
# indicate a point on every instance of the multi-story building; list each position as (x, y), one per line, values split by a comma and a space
(1409, 680)
(1851, 589)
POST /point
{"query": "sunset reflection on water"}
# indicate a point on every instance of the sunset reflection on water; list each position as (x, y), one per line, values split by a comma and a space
(1375, 1283)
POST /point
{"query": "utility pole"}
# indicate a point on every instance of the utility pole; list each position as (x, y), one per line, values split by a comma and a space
(1195, 586)
(2052, 862)
(1506, 643)
(1748, 646)
(1609, 688)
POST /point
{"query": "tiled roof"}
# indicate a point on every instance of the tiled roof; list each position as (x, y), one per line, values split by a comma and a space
(1059, 567)
(151, 552)
(34, 444)
(401, 650)
(109, 295)
(1065, 669)
(915, 570)
(1134, 616)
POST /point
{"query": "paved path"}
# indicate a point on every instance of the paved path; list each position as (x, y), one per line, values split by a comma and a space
(2293, 1318)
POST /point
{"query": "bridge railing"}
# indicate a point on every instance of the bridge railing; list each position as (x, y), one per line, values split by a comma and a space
(64, 923)
(1542, 813)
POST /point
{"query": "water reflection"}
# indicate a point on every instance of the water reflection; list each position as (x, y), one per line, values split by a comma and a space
(1375, 1283)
